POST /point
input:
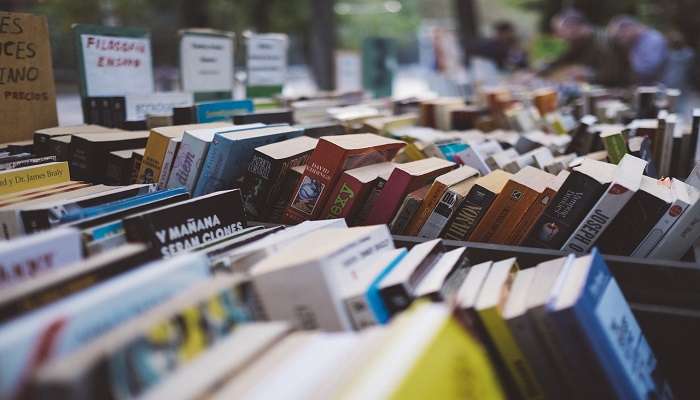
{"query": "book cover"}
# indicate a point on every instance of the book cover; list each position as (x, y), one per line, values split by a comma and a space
(120, 165)
(27, 162)
(615, 145)
(578, 194)
(521, 191)
(222, 110)
(477, 202)
(626, 181)
(404, 179)
(60, 147)
(435, 195)
(175, 228)
(377, 186)
(408, 209)
(88, 151)
(267, 170)
(682, 235)
(268, 117)
(332, 156)
(33, 177)
(287, 189)
(168, 160)
(445, 209)
(230, 152)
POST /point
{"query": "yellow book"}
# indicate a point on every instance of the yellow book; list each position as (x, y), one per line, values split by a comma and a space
(428, 355)
(489, 306)
(437, 189)
(413, 152)
(161, 149)
(34, 177)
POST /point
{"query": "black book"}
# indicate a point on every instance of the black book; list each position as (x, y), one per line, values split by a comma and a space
(42, 137)
(118, 111)
(582, 140)
(140, 125)
(25, 146)
(322, 129)
(91, 110)
(636, 219)
(397, 288)
(646, 102)
(179, 227)
(137, 158)
(120, 165)
(693, 145)
(578, 194)
(268, 117)
(105, 109)
(89, 152)
(27, 162)
(184, 115)
(285, 193)
(61, 283)
(59, 146)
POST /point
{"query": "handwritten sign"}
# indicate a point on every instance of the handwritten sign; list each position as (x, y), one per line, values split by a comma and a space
(26, 77)
(267, 63)
(114, 64)
(206, 61)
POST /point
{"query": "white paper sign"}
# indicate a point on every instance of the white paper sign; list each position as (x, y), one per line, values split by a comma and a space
(115, 66)
(139, 106)
(348, 71)
(267, 59)
(206, 63)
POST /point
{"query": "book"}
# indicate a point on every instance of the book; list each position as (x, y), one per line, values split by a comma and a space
(352, 189)
(284, 197)
(404, 179)
(682, 197)
(42, 136)
(615, 145)
(230, 152)
(295, 283)
(438, 188)
(446, 208)
(59, 146)
(638, 217)
(578, 194)
(626, 181)
(222, 110)
(32, 256)
(320, 129)
(88, 151)
(662, 144)
(161, 149)
(490, 307)
(81, 318)
(332, 156)
(28, 161)
(120, 166)
(20, 179)
(522, 229)
(589, 300)
(518, 195)
(66, 276)
(434, 285)
(194, 149)
(477, 202)
(397, 288)
(268, 117)
(178, 227)
(682, 234)
(409, 207)
(267, 171)
(501, 159)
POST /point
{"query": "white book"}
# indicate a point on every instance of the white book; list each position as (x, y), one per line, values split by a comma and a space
(475, 156)
(192, 153)
(25, 258)
(501, 159)
(85, 316)
(682, 234)
(682, 196)
(300, 283)
(354, 291)
(170, 153)
(435, 279)
(626, 181)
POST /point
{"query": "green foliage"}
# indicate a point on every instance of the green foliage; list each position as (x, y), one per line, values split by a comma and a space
(354, 27)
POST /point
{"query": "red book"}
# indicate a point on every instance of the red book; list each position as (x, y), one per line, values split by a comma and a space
(332, 156)
(352, 190)
(405, 179)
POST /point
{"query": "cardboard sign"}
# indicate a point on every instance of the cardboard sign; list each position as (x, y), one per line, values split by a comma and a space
(267, 63)
(114, 61)
(27, 91)
(206, 61)
(139, 106)
(348, 71)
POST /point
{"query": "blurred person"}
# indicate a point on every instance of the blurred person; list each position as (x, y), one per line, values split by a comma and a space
(679, 71)
(588, 47)
(646, 48)
(503, 48)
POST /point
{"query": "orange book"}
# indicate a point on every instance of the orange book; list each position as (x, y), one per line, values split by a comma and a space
(511, 205)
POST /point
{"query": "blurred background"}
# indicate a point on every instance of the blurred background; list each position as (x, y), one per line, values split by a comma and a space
(433, 39)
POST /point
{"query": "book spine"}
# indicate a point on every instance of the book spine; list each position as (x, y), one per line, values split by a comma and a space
(469, 213)
(12, 225)
(442, 213)
(347, 193)
(396, 298)
(118, 111)
(14, 181)
(215, 161)
(164, 175)
(598, 219)
(81, 159)
(153, 156)
(258, 184)
(506, 211)
(284, 196)
(106, 112)
(360, 313)
(188, 163)
(360, 216)
(658, 231)
(616, 147)
(390, 198)
(681, 237)
(41, 144)
(530, 217)
(431, 200)
(408, 208)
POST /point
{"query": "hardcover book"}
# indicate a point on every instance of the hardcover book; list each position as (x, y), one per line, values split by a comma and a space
(120, 165)
(626, 181)
(178, 227)
(230, 152)
(267, 171)
(574, 200)
(445, 209)
(332, 156)
(404, 179)
(88, 151)
(475, 204)
(59, 146)
(287, 189)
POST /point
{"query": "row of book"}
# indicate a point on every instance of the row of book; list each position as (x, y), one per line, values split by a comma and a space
(319, 309)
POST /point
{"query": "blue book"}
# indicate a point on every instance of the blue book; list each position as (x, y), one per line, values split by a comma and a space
(374, 299)
(230, 152)
(224, 110)
(591, 306)
(29, 341)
